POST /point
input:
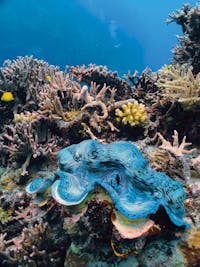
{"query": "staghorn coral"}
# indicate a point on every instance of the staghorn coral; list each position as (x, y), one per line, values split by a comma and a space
(26, 76)
(27, 138)
(56, 98)
(27, 248)
(31, 239)
(73, 110)
(95, 104)
(170, 157)
(67, 104)
(132, 113)
(175, 148)
(189, 50)
(101, 75)
(143, 85)
(180, 84)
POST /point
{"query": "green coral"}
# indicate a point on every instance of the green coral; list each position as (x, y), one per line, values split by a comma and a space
(179, 82)
(5, 216)
(132, 113)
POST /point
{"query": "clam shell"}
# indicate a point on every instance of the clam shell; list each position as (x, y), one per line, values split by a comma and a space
(130, 229)
(68, 190)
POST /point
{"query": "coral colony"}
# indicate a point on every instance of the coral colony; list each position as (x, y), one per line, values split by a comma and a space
(96, 169)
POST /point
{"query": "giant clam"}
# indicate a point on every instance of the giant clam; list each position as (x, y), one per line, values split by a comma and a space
(136, 190)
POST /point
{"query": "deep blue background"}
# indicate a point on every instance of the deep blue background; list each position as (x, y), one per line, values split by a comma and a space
(126, 34)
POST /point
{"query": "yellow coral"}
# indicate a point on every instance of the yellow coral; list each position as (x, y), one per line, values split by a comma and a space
(5, 216)
(132, 113)
(179, 82)
(72, 114)
(7, 97)
(48, 78)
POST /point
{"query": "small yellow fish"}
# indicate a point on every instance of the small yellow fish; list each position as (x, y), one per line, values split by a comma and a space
(48, 78)
(7, 97)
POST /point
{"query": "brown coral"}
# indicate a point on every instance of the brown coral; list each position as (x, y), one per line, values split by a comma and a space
(27, 139)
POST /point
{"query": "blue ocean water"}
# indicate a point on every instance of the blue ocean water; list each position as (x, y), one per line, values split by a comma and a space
(124, 35)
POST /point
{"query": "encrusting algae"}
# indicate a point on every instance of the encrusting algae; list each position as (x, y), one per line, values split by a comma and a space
(132, 113)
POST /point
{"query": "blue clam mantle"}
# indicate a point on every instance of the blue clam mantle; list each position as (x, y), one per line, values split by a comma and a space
(135, 189)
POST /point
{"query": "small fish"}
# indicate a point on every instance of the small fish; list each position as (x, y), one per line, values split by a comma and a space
(48, 78)
(7, 97)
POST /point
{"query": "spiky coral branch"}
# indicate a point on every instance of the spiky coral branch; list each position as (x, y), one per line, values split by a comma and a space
(179, 151)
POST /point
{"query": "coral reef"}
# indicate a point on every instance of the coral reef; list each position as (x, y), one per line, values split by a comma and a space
(36, 241)
(23, 78)
(101, 203)
(101, 75)
(189, 49)
(28, 137)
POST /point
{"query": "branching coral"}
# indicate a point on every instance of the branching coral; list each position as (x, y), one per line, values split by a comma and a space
(26, 248)
(26, 76)
(189, 49)
(132, 113)
(176, 151)
(26, 139)
(101, 75)
(41, 91)
(29, 240)
(92, 106)
(179, 83)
